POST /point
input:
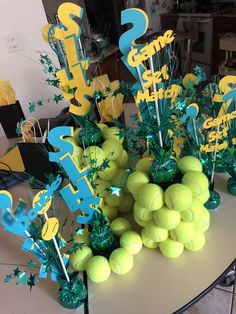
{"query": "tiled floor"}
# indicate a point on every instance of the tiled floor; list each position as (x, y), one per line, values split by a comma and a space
(218, 301)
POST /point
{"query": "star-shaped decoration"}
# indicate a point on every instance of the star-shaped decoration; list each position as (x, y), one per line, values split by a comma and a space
(32, 107)
(16, 272)
(31, 264)
(57, 98)
(40, 103)
(8, 278)
(105, 164)
(93, 162)
(80, 231)
(23, 279)
(115, 190)
(32, 281)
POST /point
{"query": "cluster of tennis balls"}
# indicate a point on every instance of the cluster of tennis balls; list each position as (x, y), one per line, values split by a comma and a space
(114, 175)
(120, 261)
(176, 218)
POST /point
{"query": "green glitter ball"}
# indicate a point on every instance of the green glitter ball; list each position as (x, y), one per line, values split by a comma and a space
(214, 200)
(231, 169)
(231, 186)
(164, 172)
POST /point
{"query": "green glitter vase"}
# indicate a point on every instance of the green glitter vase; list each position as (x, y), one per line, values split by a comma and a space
(72, 294)
(89, 135)
(164, 172)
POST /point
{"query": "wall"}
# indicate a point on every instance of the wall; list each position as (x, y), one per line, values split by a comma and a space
(23, 69)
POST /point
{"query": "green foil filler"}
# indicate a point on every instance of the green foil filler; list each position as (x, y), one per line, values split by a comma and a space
(89, 135)
(72, 294)
(164, 172)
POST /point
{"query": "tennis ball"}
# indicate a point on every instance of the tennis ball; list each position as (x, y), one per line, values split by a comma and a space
(121, 261)
(78, 156)
(93, 156)
(112, 133)
(82, 238)
(166, 218)
(193, 212)
(203, 222)
(197, 243)
(76, 135)
(110, 212)
(178, 197)
(144, 165)
(109, 172)
(127, 204)
(50, 229)
(80, 258)
(148, 242)
(101, 187)
(184, 232)
(123, 160)
(189, 163)
(155, 233)
(135, 181)
(112, 149)
(120, 179)
(114, 199)
(171, 249)
(131, 241)
(98, 269)
(119, 226)
(204, 197)
(102, 126)
(196, 181)
(70, 139)
(151, 197)
(142, 213)
(139, 221)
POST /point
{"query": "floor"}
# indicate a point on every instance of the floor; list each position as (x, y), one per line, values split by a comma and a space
(221, 300)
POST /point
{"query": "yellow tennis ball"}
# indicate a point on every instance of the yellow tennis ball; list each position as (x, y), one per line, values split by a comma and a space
(189, 163)
(50, 229)
(127, 204)
(110, 212)
(155, 233)
(135, 181)
(144, 165)
(166, 218)
(114, 199)
(76, 135)
(203, 222)
(139, 221)
(93, 156)
(184, 232)
(80, 258)
(112, 133)
(171, 249)
(101, 187)
(102, 126)
(109, 172)
(119, 226)
(98, 269)
(82, 238)
(147, 242)
(197, 243)
(131, 241)
(123, 160)
(121, 261)
(120, 179)
(193, 212)
(78, 156)
(178, 197)
(196, 181)
(142, 213)
(204, 197)
(151, 197)
(112, 149)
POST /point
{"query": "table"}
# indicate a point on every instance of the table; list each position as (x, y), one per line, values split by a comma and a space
(154, 285)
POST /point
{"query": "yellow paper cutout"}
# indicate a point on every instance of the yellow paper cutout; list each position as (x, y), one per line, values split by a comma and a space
(50, 229)
(44, 32)
(190, 77)
(156, 78)
(12, 161)
(135, 59)
(7, 94)
(37, 199)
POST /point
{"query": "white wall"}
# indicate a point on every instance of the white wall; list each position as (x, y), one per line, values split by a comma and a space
(22, 68)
